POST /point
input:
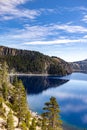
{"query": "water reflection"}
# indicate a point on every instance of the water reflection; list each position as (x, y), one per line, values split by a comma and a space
(71, 96)
(38, 84)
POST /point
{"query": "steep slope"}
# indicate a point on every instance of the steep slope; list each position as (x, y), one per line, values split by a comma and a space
(14, 111)
(24, 61)
(79, 66)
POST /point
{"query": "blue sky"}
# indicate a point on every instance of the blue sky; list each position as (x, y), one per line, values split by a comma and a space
(53, 27)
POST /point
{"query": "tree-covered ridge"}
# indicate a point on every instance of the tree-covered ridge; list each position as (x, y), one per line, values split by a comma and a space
(24, 61)
(13, 106)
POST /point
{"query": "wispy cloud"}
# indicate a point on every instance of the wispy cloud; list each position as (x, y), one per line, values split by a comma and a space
(9, 10)
(71, 28)
(45, 30)
(85, 36)
(78, 8)
(85, 18)
(60, 41)
(46, 34)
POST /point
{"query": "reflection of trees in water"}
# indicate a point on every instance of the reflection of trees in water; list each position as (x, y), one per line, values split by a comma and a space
(37, 84)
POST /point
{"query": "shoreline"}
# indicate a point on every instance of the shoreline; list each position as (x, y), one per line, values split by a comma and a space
(24, 74)
(44, 74)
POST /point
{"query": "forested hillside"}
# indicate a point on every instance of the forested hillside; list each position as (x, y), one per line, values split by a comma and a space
(14, 111)
(24, 61)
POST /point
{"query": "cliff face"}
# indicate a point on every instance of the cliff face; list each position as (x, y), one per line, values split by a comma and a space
(4, 51)
(80, 66)
(7, 51)
(24, 61)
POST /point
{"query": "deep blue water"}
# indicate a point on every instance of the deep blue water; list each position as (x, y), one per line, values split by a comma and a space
(70, 92)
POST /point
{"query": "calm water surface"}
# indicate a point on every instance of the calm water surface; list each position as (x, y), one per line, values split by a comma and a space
(70, 92)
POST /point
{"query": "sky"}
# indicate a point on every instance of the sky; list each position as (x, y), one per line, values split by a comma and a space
(53, 27)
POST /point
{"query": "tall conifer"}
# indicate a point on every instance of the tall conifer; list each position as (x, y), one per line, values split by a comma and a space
(20, 105)
(10, 121)
(51, 113)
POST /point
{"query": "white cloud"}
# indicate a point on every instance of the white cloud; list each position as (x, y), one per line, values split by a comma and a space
(7, 17)
(9, 10)
(85, 19)
(60, 41)
(37, 33)
(12, 2)
(85, 36)
(80, 8)
(41, 34)
(71, 28)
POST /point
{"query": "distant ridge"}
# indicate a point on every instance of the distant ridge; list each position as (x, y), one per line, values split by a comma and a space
(33, 62)
(79, 66)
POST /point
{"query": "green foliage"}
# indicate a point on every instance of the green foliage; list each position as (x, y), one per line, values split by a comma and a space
(2, 110)
(35, 62)
(44, 123)
(51, 114)
(15, 81)
(5, 91)
(23, 125)
(33, 125)
(19, 104)
(10, 121)
(56, 69)
(27, 119)
(4, 81)
(16, 99)
(4, 72)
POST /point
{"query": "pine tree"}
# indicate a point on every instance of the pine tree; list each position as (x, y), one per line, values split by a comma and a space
(4, 80)
(5, 91)
(2, 110)
(23, 126)
(52, 114)
(10, 121)
(44, 123)
(15, 81)
(27, 119)
(0, 77)
(20, 105)
(33, 125)
(4, 73)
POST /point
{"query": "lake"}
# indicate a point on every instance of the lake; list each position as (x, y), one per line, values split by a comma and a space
(70, 92)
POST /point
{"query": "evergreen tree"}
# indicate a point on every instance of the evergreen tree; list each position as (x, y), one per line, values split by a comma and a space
(44, 123)
(5, 91)
(33, 125)
(4, 73)
(0, 78)
(10, 121)
(15, 81)
(2, 110)
(52, 114)
(23, 126)
(27, 119)
(20, 105)
(4, 80)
